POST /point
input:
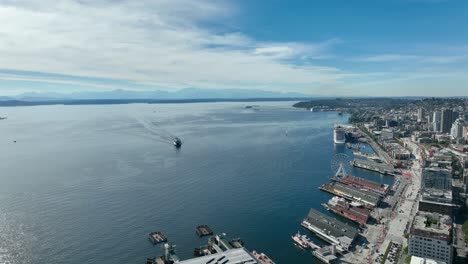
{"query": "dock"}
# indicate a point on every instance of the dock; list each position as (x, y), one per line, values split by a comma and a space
(381, 168)
(369, 199)
(157, 237)
(204, 230)
(330, 230)
(217, 251)
(326, 254)
(363, 184)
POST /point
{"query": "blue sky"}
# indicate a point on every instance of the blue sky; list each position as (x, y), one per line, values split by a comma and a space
(332, 47)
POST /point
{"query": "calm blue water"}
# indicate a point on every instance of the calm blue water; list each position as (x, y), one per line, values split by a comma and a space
(86, 184)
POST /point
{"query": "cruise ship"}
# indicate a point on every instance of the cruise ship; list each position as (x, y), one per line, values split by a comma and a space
(339, 134)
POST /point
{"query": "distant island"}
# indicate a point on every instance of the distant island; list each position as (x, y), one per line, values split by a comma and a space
(188, 95)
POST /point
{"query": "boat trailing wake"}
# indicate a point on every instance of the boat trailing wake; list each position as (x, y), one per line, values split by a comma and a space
(156, 132)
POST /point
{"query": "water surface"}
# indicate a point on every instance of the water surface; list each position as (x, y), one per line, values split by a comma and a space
(86, 184)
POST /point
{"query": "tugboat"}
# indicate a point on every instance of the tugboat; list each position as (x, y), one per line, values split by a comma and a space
(177, 142)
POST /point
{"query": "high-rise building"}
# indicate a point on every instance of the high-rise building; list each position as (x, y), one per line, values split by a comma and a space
(465, 133)
(436, 117)
(436, 178)
(421, 114)
(430, 237)
(457, 128)
(455, 115)
(446, 120)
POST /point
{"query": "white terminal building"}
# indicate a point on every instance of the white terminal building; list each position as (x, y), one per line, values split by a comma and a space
(431, 237)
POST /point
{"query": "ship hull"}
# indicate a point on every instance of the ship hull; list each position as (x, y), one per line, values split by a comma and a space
(339, 136)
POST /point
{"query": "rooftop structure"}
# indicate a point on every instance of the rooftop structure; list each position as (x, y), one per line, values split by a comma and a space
(369, 199)
(237, 255)
(326, 254)
(437, 201)
(330, 229)
(418, 260)
(362, 183)
(431, 237)
(432, 225)
(436, 178)
(218, 251)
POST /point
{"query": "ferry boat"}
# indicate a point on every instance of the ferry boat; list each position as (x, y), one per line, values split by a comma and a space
(177, 142)
(303, 241)
(339, 134)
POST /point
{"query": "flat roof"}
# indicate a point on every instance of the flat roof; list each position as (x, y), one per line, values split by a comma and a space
(432, 225)
(335, 227)
(418, 260)
(436, 195)
(237, 255)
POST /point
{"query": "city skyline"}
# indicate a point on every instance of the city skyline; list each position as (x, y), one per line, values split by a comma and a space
(366, 48)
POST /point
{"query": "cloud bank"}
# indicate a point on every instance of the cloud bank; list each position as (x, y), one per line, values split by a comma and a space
(154, 43)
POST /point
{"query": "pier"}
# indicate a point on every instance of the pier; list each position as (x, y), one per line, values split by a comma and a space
(369, 199)
(217, 251)
(331, 230)
(374, 166)
(361, 183)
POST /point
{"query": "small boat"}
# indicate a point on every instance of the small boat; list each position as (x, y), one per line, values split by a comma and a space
(204, 230)
(157, 237)
(236, 243)
(301, 240)
(177, 142)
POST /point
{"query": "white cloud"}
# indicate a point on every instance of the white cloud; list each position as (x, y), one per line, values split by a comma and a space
(416, 58)
(160, 43)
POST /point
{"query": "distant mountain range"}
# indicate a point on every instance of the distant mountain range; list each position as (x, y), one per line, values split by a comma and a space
(188, 93)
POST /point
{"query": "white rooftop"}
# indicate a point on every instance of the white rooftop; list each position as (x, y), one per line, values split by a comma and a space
(237, 255)
(418, 260)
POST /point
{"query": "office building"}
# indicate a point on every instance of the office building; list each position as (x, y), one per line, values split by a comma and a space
(436, 118)
(457, 128)
(421, 114)
(446, 120)
(436, 178)
(431, 237)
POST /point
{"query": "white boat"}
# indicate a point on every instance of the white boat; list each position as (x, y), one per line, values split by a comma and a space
(339, 134)
(301, 240)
